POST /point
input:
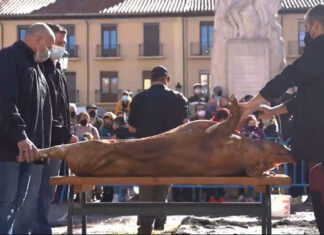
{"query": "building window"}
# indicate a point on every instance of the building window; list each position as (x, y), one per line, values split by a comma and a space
(70, 46)
(206, 37)
(109, 86)
(151, 45)
(71, 86)
(146, 79)
(109, 47)
(204, 80)
(22, 31)
(301, 36)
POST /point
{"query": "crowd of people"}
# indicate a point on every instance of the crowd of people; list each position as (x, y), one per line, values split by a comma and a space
(36, 114)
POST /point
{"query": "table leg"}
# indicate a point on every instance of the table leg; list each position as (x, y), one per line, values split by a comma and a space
(268, 209)
(70, 218)
(264, 214)
(84, 217)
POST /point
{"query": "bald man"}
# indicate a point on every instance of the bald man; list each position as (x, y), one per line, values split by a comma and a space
(25, 117)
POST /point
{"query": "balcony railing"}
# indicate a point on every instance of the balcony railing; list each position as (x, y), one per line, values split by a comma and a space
(197, 49)
(111, 50)
(151, 49)
(294, 48)
(74, 96)
(73, 51)
(105, 97)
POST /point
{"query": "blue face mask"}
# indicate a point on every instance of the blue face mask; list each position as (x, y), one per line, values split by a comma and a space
(125, 98)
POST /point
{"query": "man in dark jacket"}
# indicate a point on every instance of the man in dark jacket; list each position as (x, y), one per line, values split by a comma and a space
(152, 112)
(96, 121)
(307, 73)
(61, 134)
(25, 116)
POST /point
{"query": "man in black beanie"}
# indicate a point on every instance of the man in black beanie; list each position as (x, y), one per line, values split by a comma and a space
(154, 111)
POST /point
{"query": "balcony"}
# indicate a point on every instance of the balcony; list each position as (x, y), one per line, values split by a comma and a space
(108, 51)
(199, 50)
(294, 49)
(151, 50)
(101, 97)
(73, 51)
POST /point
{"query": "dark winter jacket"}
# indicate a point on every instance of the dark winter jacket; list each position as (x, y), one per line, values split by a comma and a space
(307, 73)
(25, 106)
(61, 127)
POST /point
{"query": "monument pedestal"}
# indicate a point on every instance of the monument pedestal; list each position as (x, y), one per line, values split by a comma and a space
(248, 66)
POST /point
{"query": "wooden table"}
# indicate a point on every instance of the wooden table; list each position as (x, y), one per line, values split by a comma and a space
(83, 184)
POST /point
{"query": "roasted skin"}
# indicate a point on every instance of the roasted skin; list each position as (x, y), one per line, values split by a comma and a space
(199, 148)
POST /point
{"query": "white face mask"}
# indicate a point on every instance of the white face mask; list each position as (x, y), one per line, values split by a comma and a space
(201, 113)
(125, 98)
(57, 52)
(42, 56)
(198, 91)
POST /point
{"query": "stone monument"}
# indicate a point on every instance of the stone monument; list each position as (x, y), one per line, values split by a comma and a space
(247, 46)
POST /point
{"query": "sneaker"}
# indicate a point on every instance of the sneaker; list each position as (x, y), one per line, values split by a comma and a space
(221, 199)
(240, 198)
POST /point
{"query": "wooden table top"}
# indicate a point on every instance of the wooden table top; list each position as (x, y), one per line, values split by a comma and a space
(256, 181)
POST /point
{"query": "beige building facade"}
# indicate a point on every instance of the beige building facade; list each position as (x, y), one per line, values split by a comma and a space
(109, 55)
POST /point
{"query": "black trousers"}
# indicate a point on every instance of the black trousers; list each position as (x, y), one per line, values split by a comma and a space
(151, 194)
(316, 179)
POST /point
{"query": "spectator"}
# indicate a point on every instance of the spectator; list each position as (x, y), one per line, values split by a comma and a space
(224, 101)
(84, 126)
(74, 118)
(214, 101)
(120, 129)
(197, 98)
(124, 103)
(106, 130)
(93, 113)
(252, 130)
(154, 111)
(221, 115)
(201, 112)
(123, 116)
(25, 123)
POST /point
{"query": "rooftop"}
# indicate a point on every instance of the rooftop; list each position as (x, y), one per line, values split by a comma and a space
(125, 8)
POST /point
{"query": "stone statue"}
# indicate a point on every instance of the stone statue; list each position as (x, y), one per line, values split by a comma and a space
(245, 20)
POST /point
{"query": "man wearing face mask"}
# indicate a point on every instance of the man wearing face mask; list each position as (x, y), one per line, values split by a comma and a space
(214, 101)
(25, 118)
(73, 115)
(197, 98)
(96, 121)
(307, 74)
(61, 134)
(123, 105)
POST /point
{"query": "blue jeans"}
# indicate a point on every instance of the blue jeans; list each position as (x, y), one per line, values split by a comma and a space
(32, 217)
(14, 179)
